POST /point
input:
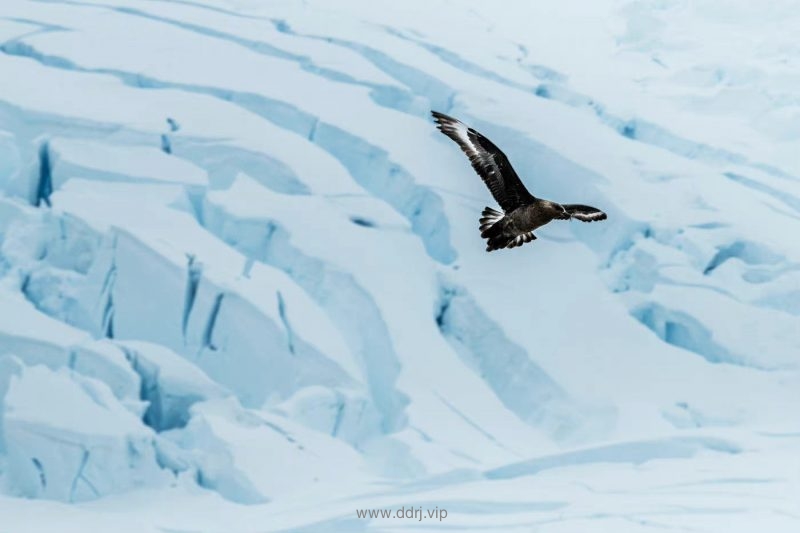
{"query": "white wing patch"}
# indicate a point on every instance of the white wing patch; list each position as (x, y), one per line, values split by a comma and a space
(589, 217)
(521, 239)
(476, 154)
(584, 213)
(490, 218)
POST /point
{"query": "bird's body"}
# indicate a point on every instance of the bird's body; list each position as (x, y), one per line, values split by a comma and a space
(523, 212)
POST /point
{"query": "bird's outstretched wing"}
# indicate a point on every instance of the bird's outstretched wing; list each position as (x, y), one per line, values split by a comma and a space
(489, 162)
(584, 213)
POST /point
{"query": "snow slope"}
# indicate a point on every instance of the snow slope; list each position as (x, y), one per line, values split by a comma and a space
(242, 287)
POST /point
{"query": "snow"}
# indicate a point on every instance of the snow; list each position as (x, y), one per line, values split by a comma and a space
(251, 458)
(71, 158)
(75, 442)
(241, 282)
(29, 333)
(169, 383)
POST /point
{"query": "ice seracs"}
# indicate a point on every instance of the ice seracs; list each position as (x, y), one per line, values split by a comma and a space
(288, 316)
(523, 212)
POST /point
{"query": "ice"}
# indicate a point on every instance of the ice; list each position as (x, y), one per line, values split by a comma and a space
(343, 414)
(9, 366)
(170, 384)
(105, 361)
(240, 251)
(22, 234)
(37, 339)
(254, 458)
(74, 443)
(10, 163)
(28, 333)
(387, 340)
(222, 319)
(202, 307)
(631, 452)
(71, 158)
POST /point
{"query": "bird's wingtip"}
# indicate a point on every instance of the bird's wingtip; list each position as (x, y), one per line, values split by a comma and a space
(440, 117)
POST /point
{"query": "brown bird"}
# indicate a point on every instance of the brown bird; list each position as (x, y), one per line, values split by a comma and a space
(522, 212)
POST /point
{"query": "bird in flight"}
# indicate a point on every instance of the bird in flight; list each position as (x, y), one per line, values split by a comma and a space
(522, 212)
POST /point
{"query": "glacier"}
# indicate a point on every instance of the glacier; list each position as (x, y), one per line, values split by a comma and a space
(242, 286)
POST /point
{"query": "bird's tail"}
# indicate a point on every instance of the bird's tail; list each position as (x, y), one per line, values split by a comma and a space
(492, 229)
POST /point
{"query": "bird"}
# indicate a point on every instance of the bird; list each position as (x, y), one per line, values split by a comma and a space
(521, 211)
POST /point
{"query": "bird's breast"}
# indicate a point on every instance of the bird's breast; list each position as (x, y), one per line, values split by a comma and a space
(530, 217)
